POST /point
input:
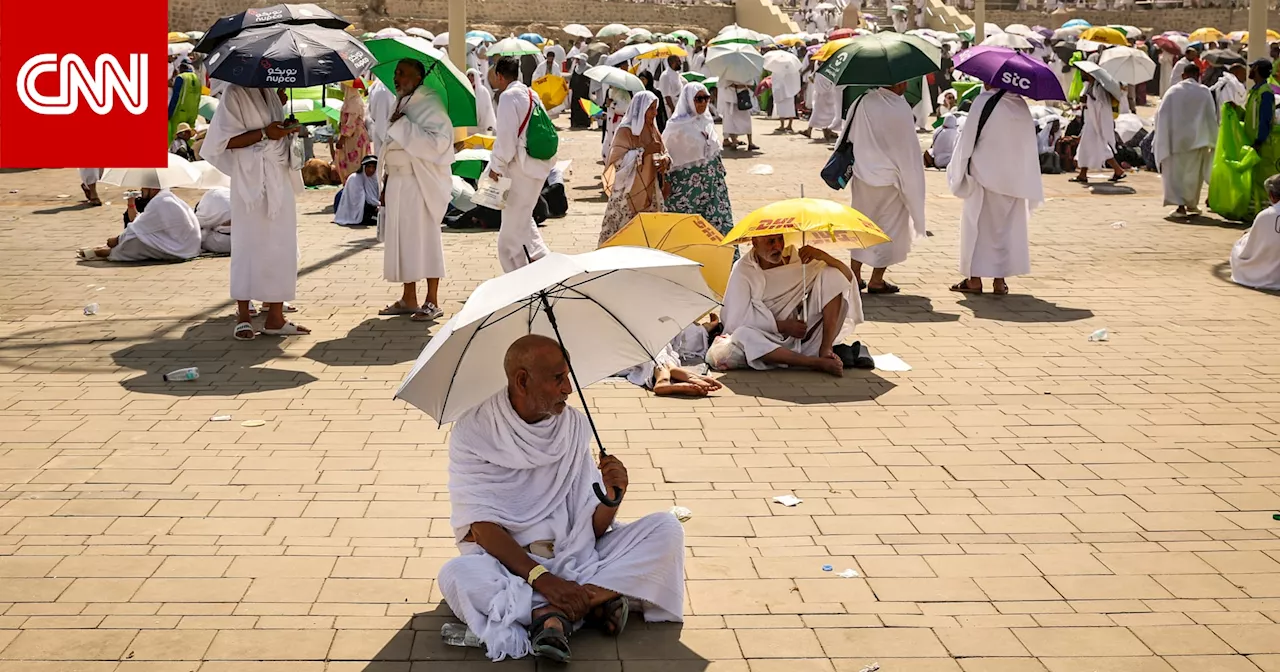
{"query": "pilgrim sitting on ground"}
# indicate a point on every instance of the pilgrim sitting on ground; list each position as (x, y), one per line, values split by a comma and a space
(667, 375)
(1255, 258)
(167, 231)
(358, 201)
(214, 214)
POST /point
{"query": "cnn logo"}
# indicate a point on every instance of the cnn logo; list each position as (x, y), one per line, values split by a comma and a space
(101, 87)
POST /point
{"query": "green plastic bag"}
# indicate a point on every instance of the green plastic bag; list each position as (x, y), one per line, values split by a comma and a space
(1077, 78)
(541, 141)
(1231, 181)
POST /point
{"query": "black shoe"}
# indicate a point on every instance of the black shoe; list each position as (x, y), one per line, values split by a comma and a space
(854, 356)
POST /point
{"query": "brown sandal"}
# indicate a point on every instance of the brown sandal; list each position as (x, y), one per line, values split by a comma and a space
(964, 288)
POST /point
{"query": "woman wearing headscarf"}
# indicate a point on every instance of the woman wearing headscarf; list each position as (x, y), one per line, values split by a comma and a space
(353, 136)
(649, 86)
(696, 175)
(486, 119)
(635, 160)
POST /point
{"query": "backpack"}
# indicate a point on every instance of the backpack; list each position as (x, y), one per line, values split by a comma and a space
(541, 141)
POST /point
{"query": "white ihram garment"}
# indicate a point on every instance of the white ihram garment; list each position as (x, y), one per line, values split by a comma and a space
(167, 230)
(736, 122)
(511, 159)
(380, 104)
(1098, 137)
(264, 181)
(999, 180)
(214, 214)
(826, 103)
(359, 191)
(89, 176)
(1186, 133)
(534, 480)
(1255, 258)
(888, 175)
(418, 155)
(756, 298)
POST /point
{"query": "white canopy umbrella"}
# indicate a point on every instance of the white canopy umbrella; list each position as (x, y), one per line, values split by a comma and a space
(1127, 65)
(615, 77)
(612, 30)
(386, 33)
(421, 32)
(178, 173)
(1102, 76)
(578, 30)
(738, 34)
(781, 61)
(441, 40)
(628, 52)
(1019, 29)
(639, 35)
(734, 62)
(514, 46)
(210, 177)
(927, 35)
(181, 48)
(1007, 40)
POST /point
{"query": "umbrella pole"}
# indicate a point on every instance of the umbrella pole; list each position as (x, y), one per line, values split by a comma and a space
(551, 317)
(804, 268)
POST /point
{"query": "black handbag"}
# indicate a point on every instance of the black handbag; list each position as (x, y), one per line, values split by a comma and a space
(839, 168)
(744, 99)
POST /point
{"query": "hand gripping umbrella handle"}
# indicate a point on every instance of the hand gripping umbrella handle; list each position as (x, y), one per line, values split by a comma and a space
(604, 499)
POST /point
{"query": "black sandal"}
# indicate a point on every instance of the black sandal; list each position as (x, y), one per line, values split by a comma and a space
(1117, 178)
(611, 617)
(1079, 181)
(964, 288)
(550, 643)
(886, 288)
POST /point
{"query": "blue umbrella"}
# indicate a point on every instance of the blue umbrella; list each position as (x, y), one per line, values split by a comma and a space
(533, 37)
(487, 37)
(1077, 22)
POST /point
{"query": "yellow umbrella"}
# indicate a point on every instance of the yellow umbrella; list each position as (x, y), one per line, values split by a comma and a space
(478, 141)
(1105, 35)
(552, 89)
(830, 48)
(817, 220)
(1272, 36)
(1204, 35)
(175, 38)
(664, 50)
(789, 40)
(688, 236)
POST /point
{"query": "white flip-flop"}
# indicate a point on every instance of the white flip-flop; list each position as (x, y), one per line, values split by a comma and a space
(289, 329)
(241, 328)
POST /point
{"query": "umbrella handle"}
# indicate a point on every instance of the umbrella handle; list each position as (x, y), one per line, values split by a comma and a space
(604, 499)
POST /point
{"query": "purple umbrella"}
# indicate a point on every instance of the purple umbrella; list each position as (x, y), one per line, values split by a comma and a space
(1043, 31)
(1007, 69)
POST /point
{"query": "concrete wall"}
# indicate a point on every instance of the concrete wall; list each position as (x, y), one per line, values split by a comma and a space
(763, 16)
(497, 16)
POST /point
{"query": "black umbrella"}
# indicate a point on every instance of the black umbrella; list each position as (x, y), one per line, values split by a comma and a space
(1222, 57)
(289, 56)
(257, 17)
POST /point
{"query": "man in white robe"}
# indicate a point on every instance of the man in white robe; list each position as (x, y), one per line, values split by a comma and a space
(380, 104)
(736, 122)
(670, 84)
(944, 142)
(486, 119)
(249, 141)
(1230, 87)
(786, 86)
(888, 180)
(998, 176)
(360, 197)
(518, 237)
(789, 308)
(1255, 258)
(213, 212)
(826, 108)
(417, 158)
(89, 184)
(166, 231)
(1186, 133)
(539, 551)
(1098, 136)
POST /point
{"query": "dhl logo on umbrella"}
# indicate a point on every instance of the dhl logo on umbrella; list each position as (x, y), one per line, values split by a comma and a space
(788, 223)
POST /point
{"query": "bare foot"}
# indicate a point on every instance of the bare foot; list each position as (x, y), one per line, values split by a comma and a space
(831, 366)
(680, 390)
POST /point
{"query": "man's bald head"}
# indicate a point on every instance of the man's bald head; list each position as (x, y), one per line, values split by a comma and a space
(538, 380)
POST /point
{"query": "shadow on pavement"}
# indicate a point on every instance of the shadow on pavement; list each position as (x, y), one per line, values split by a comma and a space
(1222, 271)
(902, 308)
(1021, 308)
(377, 341)
(806, 387)
(83, 205)
(227, 367)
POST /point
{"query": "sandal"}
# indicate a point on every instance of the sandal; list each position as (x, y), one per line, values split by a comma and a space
(862, 286)
(289, 329)
(1079, 181)
(964, 288)
(886, 288)
(548, 642)
(610, 618)
(398, 308)
(1000, 290)
(1117, 178)
(87, 253)
(240, 332)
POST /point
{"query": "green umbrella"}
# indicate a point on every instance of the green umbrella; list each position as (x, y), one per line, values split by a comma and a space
(317, 93)
(693, 76)
(684, 36)
(513, 46)
(470, 162)
(442, 76)
(915, 91)
(881, 59)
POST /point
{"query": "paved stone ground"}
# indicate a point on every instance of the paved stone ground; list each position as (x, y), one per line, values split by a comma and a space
(1022, 501)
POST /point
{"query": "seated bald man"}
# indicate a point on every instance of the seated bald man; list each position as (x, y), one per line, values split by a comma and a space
(539, 551)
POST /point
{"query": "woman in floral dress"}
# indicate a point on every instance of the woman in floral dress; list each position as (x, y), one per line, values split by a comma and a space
(696, 176)
(353, 137)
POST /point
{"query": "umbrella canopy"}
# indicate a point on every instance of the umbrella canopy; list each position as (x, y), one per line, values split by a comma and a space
(613, 308)
(289, 55)
(533, 38)
(825, 51)
(388, 33)
(1008, 40)
(612, 30)
(208, 105)
(737, 35)
(478, 141)
(1129, 31)
(1272, 36)
(1174, 44)
(1067, 33)
(782, 61)
(307, 110)
(989, 30)
(1102, 76)
(1009, 70)
(882, 59)
(578, 30)
(209, 177)
(1222, 57)
(470, 162)
(789, 40)
(626, 53)
(1128, 65)
(1206, 35)
(692, 76)
(178, 38)
(819, 220)
(1077, 22)
(1105, 35)
(441, 40)
(180, 48)
(735, 62)
(615, 77)
(840, 34)
(684, 36)
(264, 16)
(1019, 29)
(927, 35)
(663, 51)
(178, 173)
(514, 46)
(638, 35)
(483, 35)
(589, 107)
(421, 32)
(442, 76)
(688, 236)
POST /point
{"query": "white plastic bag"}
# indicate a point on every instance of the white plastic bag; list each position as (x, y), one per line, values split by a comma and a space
(492, 193)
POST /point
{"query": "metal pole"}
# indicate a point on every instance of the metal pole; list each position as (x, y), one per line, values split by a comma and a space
(979, 22)
(458, 45)
(1258, 29)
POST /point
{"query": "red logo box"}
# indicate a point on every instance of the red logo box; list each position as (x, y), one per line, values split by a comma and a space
(83, 84)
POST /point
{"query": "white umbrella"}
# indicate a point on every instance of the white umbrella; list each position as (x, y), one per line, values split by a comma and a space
(609, 309)
(1104, 78)
(421, 32)
(1090, 45)
(822, 6)
(178, 173)
(514, 46)
(735, 62)
(1007, 40)
(387, 33)
(210, 177)
(612, 30)
(1018, 29)
(782, 62)
(181, 48)
(639, 35)
(628, 52)
(1127, 65)
(1068, 33)
(441, 40)
(615, 77)
(927, 35)
(578, 30)
(737, 34)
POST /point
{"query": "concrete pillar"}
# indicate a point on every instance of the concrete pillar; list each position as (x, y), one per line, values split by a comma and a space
(980, 21)
(1257, 29)
(457, 33)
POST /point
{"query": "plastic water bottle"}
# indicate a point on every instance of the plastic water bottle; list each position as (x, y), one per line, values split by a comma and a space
(189, 373)
(458, 634)
(91, 309)
(1099, 335)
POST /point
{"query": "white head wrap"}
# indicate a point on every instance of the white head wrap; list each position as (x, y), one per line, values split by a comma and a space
(640, 104)
(691, 137)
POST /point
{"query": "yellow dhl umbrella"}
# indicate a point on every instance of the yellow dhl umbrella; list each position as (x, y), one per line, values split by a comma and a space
(478, 141)
(789, 40)
(1105, 35)
(552, 89)
(175, 38)
(663, 50)
(831, 47)
(1205, 35)
(815, 220)
(1272, 36)
(688, 236)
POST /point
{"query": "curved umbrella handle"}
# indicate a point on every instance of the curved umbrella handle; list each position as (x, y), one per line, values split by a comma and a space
(604, 499)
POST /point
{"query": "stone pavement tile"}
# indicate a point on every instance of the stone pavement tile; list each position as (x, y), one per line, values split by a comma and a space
(1181, 640)
(1017, 589)
(275, 589)
(1215, 663)
(672, 643)
(981, 565)
(1240, 562)
(872, 643)
(68, 645)
(372, 645)
(1067, 563)
(1195, 586)
(790, 665)
(1154, 563)
(375, 590)
(980, 642)
(905, 664)
(1249, 639)
(170, 645)
(1107, 587)
(834, 590)
(1108, 664)
(259, 666)
(1082, 641)
(741, 596)
(1255, 585)
(47, 666)
(101, 590)
(1001, 665)
(99, 567)
(191, 590)
(1266, 662)
(250, 645)
(779, 643)
(925, 590)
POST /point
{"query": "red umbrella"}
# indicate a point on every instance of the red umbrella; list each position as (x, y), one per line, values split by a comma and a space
(840, 33)
(1174, 44)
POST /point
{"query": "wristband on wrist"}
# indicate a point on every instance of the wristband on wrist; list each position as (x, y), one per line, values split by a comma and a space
(536, 572)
